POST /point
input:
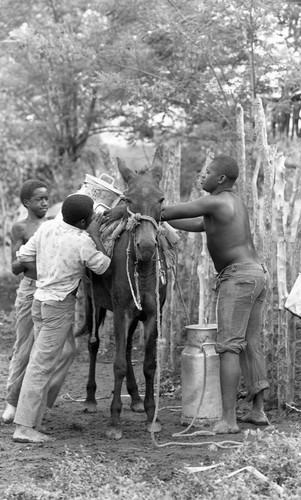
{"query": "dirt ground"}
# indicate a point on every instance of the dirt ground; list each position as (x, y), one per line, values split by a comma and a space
(73, 428)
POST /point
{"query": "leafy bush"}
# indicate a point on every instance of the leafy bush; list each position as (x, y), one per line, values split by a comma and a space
(80, 476)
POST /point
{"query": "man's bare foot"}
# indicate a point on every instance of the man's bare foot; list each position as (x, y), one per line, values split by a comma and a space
(222, 427)
(9, 414)
(256, 417)
(24, 434)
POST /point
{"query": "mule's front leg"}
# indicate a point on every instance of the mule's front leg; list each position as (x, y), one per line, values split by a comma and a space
(149, 369)
(121, 326)
(131, 384)
(90, 402)
(115, 431)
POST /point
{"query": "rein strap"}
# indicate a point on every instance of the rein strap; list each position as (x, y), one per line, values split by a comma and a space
(132, 223)
(135, 219)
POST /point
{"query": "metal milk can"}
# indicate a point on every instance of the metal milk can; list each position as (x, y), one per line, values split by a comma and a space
(101, 190)
(201, 391)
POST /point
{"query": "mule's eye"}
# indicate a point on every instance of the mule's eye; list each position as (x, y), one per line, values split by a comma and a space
(161, 200)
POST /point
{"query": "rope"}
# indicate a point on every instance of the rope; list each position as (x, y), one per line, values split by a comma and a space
(136, 277)
(67, 397)
(159, 341)
(135, 219)
(137, 301)
(222, 444)
(93, 334)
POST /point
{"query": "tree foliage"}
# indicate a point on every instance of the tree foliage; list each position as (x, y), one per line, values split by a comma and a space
(161, 70)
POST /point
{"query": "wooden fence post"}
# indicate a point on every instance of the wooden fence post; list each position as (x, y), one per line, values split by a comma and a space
(170, 318)
(267, 154)
(284, 386)
(4, 222)
(241, 151)
(205, 270)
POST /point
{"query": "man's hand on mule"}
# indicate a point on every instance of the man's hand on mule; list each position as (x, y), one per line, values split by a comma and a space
(113, 214)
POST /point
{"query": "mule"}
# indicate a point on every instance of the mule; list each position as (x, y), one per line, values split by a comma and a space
(135, 291)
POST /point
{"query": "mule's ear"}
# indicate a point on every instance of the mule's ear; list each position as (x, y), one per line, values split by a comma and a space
(157, 165)
(126, 173)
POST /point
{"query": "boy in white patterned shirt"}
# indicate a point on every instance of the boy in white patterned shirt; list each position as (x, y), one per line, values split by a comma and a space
(62, 249)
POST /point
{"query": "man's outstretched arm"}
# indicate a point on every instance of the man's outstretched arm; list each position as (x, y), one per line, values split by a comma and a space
(194, 225)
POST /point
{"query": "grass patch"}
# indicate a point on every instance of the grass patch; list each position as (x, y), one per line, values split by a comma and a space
(272, 454)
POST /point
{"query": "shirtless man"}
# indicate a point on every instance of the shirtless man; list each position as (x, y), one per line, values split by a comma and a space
(34, 196)
(241, 285)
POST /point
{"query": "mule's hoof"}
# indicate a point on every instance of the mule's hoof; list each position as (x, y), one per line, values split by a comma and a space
(137, 406)
(114, 433)
(90, 407)
(154, 426)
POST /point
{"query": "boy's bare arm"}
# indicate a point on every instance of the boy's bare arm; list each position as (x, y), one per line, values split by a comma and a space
(93, 231)
(17, 239)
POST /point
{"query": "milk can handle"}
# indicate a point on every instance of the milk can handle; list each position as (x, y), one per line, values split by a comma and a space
(207, 343)
(107, 178)
(199, 346)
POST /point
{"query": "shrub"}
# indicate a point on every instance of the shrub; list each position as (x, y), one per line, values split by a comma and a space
(275, 455)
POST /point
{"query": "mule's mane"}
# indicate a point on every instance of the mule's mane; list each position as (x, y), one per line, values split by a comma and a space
(143, 171)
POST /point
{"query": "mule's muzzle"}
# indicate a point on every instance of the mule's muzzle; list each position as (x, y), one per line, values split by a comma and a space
(146, 251)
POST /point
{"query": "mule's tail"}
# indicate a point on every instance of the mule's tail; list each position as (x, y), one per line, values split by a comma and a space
(88, 329)
(82, 331)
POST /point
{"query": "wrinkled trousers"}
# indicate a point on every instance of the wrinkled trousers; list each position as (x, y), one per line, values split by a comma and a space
(24, 339)
(52, 354)
(242, 289)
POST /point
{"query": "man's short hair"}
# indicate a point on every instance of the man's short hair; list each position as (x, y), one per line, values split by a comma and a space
(228, 166)
(77, 207)
(28, 188)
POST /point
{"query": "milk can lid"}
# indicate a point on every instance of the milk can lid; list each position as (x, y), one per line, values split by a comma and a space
(100, 183)
(201, 326)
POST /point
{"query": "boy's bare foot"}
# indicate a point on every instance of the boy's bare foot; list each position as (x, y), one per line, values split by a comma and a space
(9, 414)
(24, 434)
(41, 428)
(256, 417)
(222, 427)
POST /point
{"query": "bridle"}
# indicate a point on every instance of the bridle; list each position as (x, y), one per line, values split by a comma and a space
(135, 218)
(133, 221)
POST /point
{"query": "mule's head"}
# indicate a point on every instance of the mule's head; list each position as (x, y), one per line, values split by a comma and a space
(143, 196)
